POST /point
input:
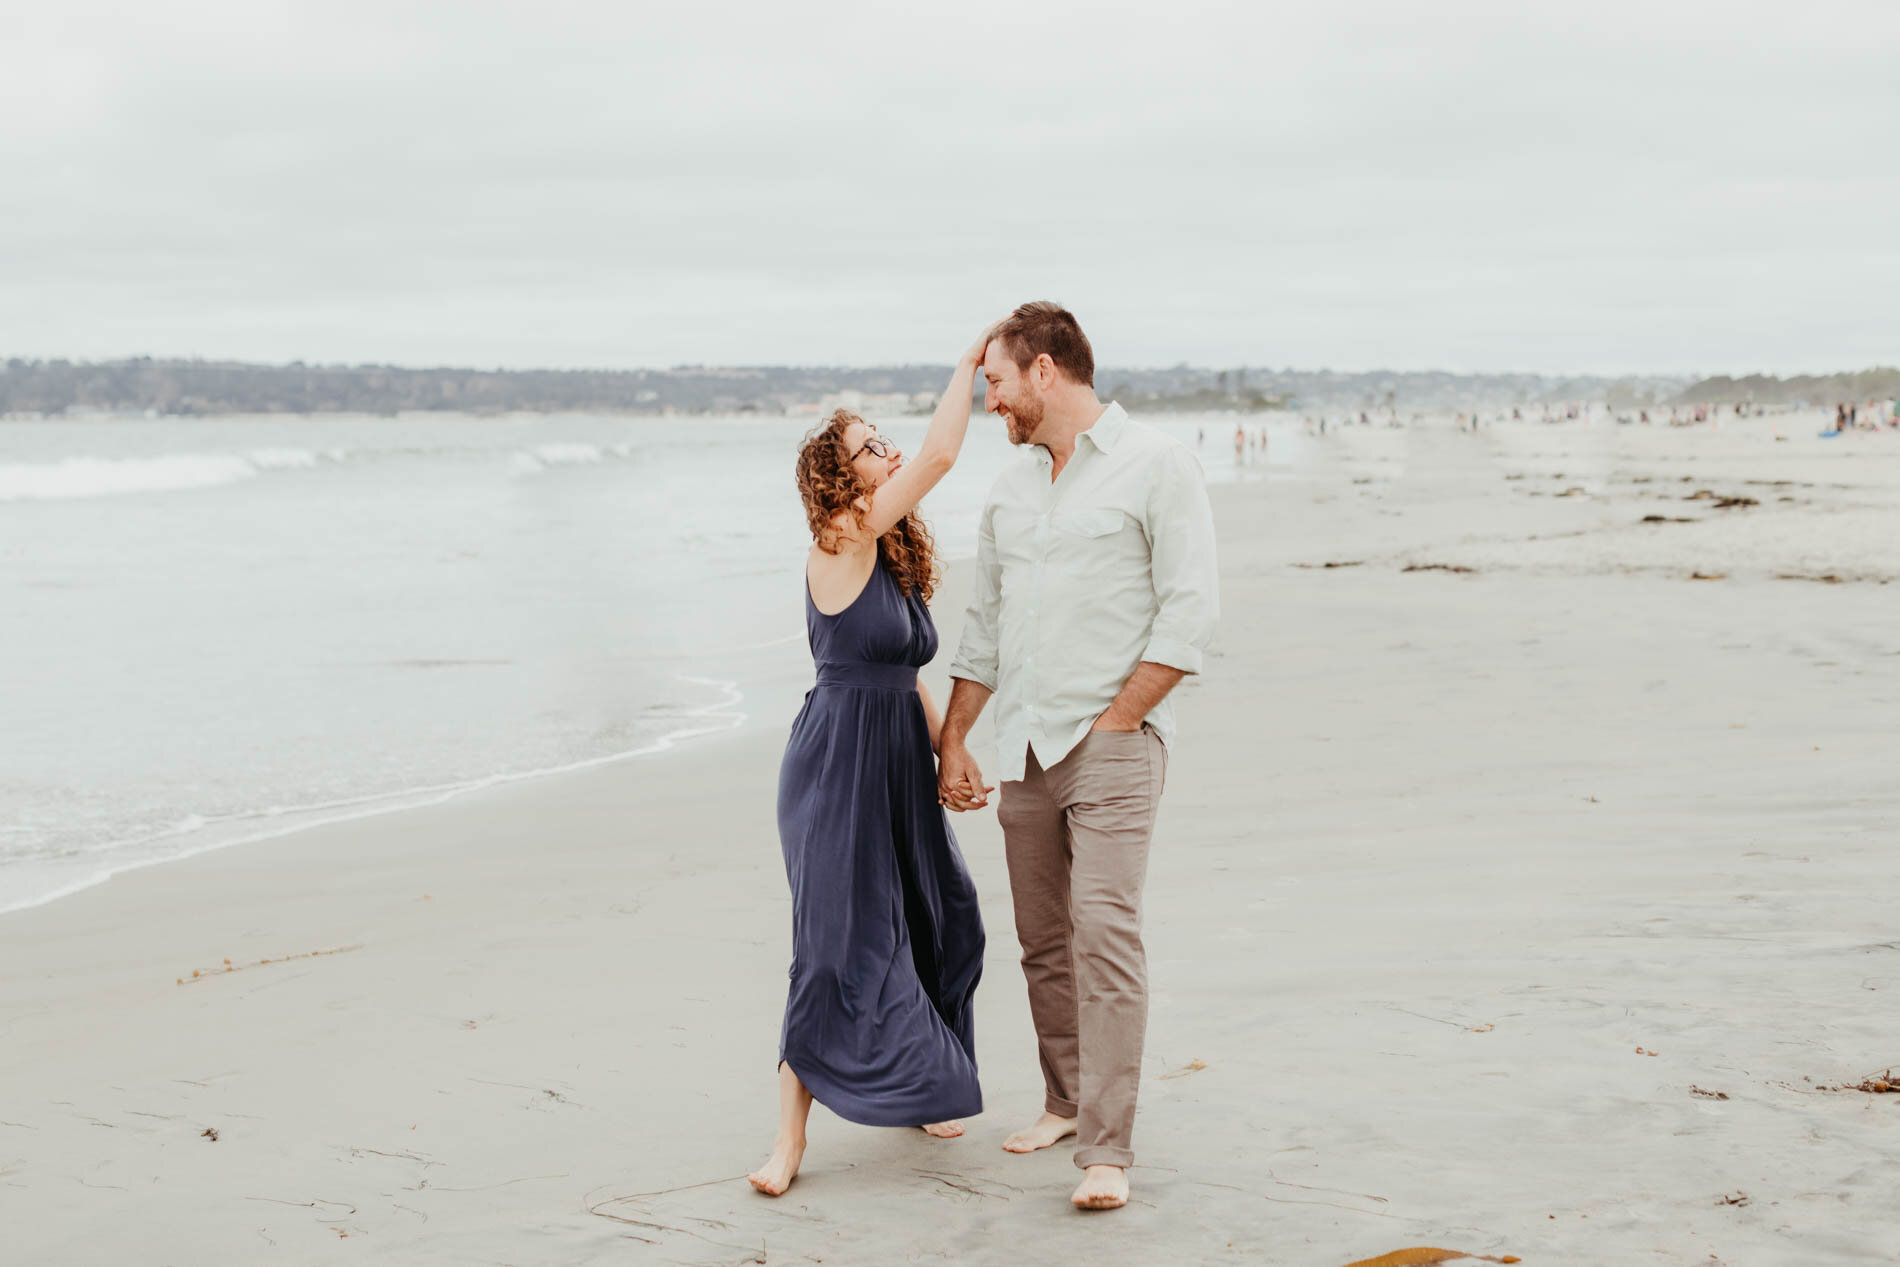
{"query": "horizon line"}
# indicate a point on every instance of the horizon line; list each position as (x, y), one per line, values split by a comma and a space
(688, 367)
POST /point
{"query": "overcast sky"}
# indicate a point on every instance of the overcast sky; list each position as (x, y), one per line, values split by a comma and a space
(1606, 187)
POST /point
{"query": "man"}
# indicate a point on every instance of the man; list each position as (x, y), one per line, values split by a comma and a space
(1095, 595)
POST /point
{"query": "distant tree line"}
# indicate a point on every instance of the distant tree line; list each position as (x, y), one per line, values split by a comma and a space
(198, 387)
(227, 387)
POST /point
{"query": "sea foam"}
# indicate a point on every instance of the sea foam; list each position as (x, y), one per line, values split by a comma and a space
(72, 478)
(543, 456)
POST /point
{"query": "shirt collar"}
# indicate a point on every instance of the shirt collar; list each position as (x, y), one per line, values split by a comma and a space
(1108, 428)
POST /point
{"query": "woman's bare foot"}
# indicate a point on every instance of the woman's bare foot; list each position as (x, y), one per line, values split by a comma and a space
(1046, 1131)
(776, 1175)
(1102, 1188)
(943, 1130)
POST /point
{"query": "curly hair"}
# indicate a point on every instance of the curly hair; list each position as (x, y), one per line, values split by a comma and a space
(828, 483)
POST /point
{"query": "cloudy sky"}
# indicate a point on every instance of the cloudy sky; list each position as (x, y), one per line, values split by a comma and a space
(1654, 187)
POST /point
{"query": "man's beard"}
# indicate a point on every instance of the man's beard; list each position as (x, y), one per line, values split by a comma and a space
(1024, 419)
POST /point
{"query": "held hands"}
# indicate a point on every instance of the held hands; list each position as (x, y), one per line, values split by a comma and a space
(959, 782)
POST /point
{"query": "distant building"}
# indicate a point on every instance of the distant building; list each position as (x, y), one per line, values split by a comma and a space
(874, 404)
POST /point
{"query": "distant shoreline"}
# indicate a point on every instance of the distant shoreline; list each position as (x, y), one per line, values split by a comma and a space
(143, 386)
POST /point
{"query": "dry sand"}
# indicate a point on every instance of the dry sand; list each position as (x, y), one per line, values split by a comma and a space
(1474, 895)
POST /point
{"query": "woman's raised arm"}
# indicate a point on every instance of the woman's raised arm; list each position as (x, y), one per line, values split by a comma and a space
(899, 495)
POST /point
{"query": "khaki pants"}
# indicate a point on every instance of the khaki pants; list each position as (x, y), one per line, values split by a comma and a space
(1076, 836)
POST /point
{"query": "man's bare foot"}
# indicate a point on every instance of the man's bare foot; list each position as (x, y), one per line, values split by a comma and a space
(1047, 1130)
(1102, 1188)
(943, 1130)
(776, 1175)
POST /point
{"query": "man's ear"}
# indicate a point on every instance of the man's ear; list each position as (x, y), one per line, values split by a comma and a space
(1045, 371)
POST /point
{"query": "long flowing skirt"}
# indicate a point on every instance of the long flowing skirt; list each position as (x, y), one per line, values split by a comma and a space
(887, 939)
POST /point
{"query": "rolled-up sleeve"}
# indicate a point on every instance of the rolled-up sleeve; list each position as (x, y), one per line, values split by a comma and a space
(977, 649)
(1186, 576)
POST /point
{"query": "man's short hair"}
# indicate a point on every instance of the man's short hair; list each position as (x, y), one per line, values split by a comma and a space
(1039, 327)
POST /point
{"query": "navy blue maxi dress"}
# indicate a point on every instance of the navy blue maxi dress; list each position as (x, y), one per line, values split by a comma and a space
(887, 940)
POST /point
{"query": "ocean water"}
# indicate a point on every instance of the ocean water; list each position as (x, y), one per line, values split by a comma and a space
(213, 631)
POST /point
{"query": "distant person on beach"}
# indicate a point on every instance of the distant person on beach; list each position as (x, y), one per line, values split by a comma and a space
(887, 939)
(1096, 593)
(1240, 444)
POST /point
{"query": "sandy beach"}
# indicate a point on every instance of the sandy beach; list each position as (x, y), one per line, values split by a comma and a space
(1516, 891)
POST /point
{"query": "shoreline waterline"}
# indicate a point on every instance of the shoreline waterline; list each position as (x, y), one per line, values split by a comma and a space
(314, 816)
(730, 708)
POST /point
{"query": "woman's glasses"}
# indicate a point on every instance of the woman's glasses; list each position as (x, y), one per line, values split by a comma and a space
(876, 446)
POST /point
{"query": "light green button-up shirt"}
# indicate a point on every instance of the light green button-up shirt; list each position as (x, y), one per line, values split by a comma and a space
(1081, 578)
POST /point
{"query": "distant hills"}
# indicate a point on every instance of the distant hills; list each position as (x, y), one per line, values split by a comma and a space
(142, 385)
(1811, 389)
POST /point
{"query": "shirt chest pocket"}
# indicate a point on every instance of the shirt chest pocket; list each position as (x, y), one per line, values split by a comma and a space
(1091, 521)
(1093, 542)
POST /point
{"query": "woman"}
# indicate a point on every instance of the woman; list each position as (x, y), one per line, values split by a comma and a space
(887, 941)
